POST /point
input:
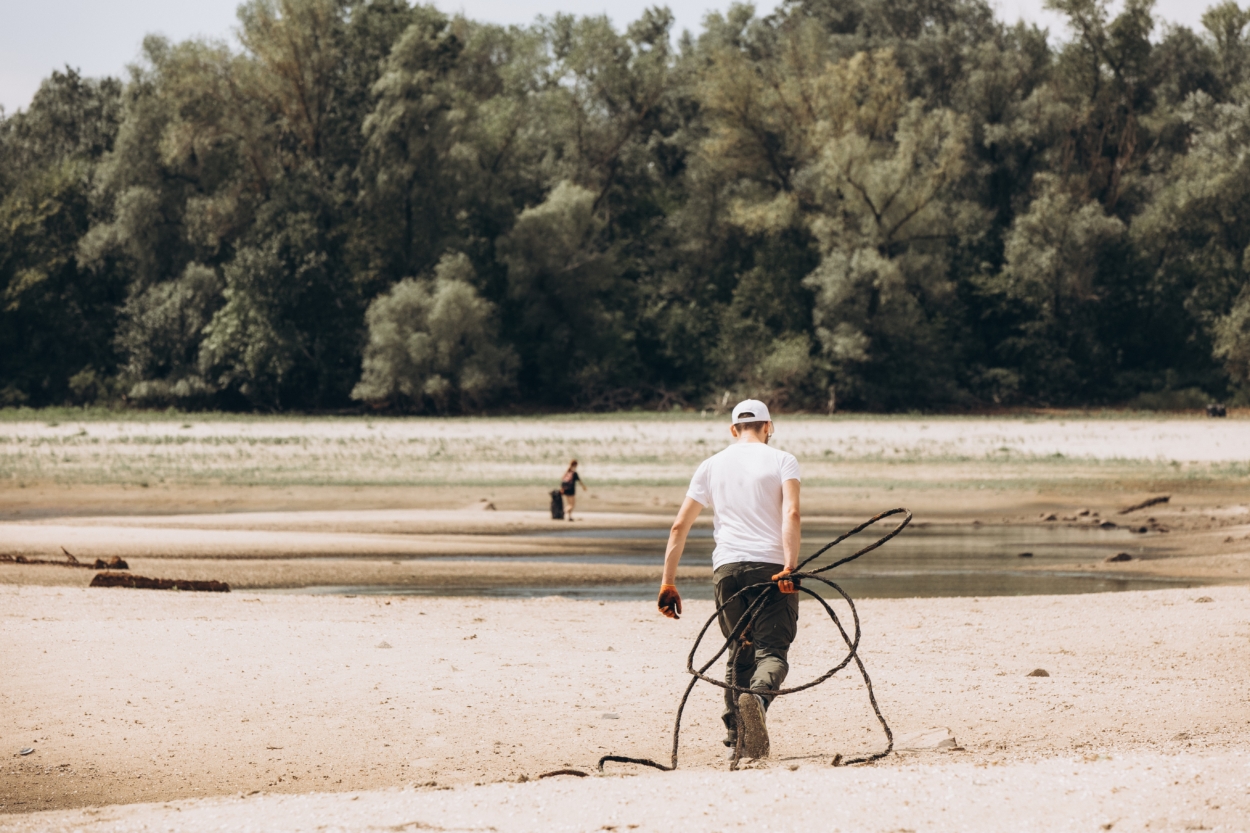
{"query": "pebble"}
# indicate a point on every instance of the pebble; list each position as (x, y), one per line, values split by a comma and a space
(939, 738)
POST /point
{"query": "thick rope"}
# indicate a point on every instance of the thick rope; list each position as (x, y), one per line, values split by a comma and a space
(734, 641)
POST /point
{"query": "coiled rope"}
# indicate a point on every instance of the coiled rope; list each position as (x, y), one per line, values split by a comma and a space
(734, 642)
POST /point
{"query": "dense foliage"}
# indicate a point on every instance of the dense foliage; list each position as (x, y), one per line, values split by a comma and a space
(875, 204)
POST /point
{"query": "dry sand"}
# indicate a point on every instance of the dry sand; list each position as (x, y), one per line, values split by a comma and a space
(1128, 792)
(132, 696)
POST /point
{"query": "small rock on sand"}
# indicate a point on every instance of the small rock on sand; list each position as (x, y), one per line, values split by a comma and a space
(940, 738)
(1119, 556)
(1204, 599)
(384, 644)
(1025, 555)
(1038, 672)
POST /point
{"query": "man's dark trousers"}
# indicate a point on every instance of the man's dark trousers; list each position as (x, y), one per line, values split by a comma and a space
(762, 662)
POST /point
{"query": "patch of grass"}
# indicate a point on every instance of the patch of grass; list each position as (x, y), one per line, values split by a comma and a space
(662, 450)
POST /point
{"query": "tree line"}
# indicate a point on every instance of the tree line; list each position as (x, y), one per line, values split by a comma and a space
(870, 204)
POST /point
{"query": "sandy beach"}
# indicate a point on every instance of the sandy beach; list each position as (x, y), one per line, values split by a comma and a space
(1129, 792)
(142, 696)
(421, 709)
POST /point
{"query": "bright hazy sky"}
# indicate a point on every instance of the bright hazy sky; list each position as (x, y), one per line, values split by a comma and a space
(99, 37)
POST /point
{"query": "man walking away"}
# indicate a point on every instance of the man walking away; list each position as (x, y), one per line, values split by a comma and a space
(753, 490)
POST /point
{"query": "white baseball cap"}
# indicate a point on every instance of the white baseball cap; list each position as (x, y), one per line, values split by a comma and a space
(750, 410)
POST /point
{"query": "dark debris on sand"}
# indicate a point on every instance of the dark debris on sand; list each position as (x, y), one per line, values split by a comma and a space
(144, 583)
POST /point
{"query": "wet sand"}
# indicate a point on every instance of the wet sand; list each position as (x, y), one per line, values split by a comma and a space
(438, 576)
(1200, 535)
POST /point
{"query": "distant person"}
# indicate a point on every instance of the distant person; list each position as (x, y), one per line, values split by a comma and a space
(568, 488)
(754, 494)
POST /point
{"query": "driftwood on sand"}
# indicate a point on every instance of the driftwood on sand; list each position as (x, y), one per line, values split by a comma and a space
(1152, 502)
(144, 583)
(114, 563)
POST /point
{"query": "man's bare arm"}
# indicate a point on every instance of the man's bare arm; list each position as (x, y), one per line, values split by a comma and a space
(686, 515)
(791, 533)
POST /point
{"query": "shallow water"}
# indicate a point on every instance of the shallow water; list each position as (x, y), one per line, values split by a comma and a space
(921, 561)
(875, 587)
(917, 548)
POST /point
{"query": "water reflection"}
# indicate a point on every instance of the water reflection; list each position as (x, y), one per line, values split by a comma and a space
(861, 587)
(924, 561)
(924, 548)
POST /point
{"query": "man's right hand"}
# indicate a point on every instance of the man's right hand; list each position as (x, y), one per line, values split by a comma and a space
(786, 585)
(669, 601)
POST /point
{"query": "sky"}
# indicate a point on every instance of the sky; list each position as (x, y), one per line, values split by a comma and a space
(100, 37)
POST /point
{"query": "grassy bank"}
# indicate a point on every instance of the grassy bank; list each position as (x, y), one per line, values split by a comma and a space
(644, 450)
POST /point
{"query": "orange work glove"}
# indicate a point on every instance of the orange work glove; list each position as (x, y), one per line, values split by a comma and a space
(784, 584)
(669, 601)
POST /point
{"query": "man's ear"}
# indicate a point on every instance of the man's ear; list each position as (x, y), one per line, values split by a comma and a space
(733, 431)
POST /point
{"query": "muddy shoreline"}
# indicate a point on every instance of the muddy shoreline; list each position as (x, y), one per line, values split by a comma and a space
(1200, 536)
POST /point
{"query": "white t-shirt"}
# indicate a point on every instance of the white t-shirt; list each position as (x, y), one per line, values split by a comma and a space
(742, 484)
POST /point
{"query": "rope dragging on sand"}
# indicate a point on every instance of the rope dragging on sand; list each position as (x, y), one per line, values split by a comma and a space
(733, 642)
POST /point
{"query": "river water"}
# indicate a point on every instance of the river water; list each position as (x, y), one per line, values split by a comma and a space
(934, 560)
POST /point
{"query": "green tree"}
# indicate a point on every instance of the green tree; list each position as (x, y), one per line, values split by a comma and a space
(409, 189)
(1104, 77)
(575, 346)
(434, 344)
(1194, 233)
(1055, 253)
(56, 317)
(280, 316)
(1232, 343)
(1226, 25)
(161, 334)
(839, 151)
(246, 162)
(896, 203)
